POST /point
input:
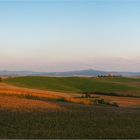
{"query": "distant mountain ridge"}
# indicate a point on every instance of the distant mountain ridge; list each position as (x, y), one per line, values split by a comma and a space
(85, 73)
(89, 72)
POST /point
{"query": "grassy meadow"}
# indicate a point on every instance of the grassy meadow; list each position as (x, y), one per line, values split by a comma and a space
(114, 86)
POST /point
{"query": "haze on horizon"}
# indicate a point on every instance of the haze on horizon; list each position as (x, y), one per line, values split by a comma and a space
(61, 35)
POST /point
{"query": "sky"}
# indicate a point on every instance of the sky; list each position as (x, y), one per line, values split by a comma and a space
(63, 35)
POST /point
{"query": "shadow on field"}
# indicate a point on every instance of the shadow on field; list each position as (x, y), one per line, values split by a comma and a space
(78, 121)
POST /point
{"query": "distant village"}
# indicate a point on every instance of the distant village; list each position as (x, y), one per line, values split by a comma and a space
(109, 75)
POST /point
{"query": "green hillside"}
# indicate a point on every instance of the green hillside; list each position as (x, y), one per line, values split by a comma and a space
(121, 86)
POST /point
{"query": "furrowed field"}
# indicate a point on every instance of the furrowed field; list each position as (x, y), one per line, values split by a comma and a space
(52, 107)
(77, 121)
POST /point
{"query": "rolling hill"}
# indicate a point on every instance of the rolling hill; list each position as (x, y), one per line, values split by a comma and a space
(115, 86)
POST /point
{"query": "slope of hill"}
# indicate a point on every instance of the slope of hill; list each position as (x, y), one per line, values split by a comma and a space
(116, 86)
(29, 117)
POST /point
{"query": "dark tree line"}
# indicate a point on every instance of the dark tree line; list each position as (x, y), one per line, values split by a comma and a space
(0, 79)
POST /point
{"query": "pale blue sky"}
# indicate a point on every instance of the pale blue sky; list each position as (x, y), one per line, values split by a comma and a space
(59, 35)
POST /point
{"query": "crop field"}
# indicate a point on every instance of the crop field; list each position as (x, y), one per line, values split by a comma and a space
(75, 121)
(48, 107)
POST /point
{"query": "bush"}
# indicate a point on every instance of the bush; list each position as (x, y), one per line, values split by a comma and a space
(115, 104)
(102, 101)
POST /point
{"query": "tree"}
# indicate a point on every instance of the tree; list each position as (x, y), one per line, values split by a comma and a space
(0, 79)
(87, 90)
